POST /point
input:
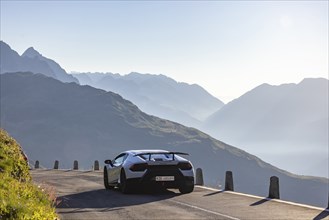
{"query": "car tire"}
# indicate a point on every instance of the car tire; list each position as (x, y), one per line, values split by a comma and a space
(125, 187)
(106, 181)
(186, 188)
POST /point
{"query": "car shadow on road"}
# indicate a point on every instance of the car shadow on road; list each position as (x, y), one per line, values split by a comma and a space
(110, 199)
(86, 210)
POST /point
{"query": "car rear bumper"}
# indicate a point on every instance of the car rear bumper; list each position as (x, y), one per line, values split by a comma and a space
(144, 183)
(149, 177)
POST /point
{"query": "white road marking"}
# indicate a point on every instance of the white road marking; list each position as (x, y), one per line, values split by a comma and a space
(205, 210)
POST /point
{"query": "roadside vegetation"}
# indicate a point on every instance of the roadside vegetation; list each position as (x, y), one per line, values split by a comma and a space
(19, 197)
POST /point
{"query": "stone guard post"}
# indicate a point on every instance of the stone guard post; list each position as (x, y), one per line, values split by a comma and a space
(36, 165)
(274, 192)
(75, 165)
(56, 165)
(96, 165)
(199, 177)
(229, 181)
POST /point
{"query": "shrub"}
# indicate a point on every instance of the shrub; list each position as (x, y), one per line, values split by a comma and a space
(19, 197)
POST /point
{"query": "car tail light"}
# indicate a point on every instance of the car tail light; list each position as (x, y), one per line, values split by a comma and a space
(184, 166)
(138, 167)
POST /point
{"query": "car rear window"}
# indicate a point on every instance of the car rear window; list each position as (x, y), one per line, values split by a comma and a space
(157, 157)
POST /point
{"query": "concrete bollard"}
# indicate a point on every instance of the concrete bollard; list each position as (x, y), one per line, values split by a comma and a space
(199, 177)
(56, 165)
(36, 165)
(274, 192)
(75, 165)
(96, 165)
(229, 181)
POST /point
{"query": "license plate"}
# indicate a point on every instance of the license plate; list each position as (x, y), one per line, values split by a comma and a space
(164, 178)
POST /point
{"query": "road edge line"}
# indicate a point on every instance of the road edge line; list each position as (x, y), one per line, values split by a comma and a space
(205, 210)
(274, 200)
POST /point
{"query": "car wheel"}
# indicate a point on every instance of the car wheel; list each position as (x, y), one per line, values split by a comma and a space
(124, 185)
(186, 188)
(106, 181)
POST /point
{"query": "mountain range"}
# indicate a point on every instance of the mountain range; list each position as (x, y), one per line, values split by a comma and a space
(31, 61)
(154, 94)
(285, 124)
(53, 120)
(158, 95)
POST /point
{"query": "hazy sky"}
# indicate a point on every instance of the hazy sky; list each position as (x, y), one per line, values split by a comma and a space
(228, 47)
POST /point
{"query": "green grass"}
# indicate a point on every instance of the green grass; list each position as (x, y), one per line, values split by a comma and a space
(19, 197)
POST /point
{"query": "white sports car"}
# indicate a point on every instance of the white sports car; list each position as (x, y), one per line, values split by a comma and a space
(138, 169)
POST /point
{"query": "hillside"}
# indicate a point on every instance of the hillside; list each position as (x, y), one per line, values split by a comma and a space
(31, 61)
(286, 124)
(66, 122)
(19, 197)
(158, 95)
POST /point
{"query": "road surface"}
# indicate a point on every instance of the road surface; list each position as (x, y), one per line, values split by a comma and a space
(81, 195)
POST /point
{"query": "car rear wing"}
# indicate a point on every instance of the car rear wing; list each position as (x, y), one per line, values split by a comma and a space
(161, 152)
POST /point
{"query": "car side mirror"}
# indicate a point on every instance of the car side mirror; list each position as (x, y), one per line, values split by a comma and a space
(108, 162)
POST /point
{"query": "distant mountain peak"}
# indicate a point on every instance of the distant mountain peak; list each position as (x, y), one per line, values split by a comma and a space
(31, 53)
(313, 80)
(31, 61)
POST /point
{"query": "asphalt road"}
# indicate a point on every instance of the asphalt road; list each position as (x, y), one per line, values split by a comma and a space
(81, 195)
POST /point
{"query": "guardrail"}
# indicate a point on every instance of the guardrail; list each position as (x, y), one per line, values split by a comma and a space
(274, 187)
(75, 165)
